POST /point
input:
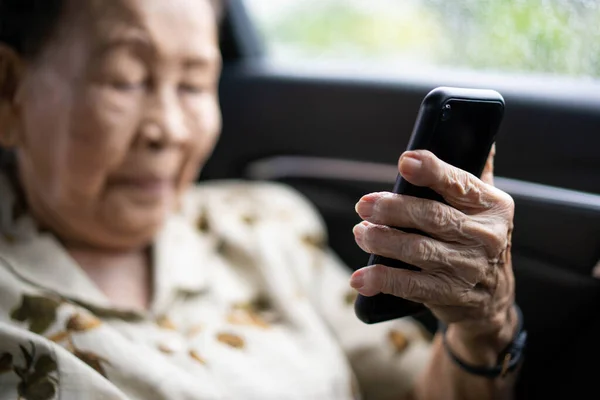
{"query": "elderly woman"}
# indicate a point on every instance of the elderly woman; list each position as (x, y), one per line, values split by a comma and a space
(120, 279)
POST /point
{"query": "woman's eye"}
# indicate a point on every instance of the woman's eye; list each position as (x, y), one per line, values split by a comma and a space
(128, 86)
(191, 88)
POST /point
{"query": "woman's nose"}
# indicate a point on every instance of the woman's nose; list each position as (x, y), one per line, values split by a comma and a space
(163, 123)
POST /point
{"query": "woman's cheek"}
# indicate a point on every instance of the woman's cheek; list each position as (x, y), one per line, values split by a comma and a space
(204, 115)
(107, 123)
(101, 133)
(203, 119)
(115, 111)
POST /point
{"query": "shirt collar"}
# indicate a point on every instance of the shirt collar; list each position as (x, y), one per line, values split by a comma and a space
(181, 258)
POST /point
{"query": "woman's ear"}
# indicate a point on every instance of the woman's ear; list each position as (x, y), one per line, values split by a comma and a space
(11, 73)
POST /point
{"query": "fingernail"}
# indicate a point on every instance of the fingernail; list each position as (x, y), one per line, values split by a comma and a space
(357, 281)
(410, 164)
(366, 205)
(359, 230)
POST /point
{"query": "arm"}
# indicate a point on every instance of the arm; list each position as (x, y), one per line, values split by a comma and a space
(444, 379)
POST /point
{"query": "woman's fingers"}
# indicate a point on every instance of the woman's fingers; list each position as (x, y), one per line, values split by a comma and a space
(416, 286)
(431, 217)
(459, 188)
(375, 279)
(436, 219)
(463, 253)
(418, 250)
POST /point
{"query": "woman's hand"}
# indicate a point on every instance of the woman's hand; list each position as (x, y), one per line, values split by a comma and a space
(466, 278)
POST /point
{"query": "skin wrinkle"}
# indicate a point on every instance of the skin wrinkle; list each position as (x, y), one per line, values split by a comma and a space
(424, 249)
(453, 224)
(462, 186)
(439, 216)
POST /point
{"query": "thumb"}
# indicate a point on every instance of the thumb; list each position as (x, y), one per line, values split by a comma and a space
(459, 188)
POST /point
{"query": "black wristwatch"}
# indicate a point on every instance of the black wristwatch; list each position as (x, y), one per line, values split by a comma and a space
(508, 360)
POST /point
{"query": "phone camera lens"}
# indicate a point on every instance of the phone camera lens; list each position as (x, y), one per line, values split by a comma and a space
(446, 112)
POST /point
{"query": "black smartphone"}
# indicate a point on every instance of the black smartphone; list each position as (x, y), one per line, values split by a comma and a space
(459, 126)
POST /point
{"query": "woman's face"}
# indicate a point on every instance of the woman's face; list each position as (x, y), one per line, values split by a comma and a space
(117, 116)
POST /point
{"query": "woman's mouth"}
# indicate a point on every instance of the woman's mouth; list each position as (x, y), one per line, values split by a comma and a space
(145, 188)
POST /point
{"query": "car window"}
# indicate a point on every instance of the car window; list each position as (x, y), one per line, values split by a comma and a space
(559, 37)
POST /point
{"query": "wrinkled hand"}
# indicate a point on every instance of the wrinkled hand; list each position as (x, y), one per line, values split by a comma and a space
(466, 277)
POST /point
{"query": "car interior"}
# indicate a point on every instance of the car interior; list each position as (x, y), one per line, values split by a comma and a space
(336, 135)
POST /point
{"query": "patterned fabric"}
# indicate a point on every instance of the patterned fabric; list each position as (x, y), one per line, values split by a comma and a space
(248, 303)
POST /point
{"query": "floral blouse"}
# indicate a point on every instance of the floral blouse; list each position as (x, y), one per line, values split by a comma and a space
(248, 303)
